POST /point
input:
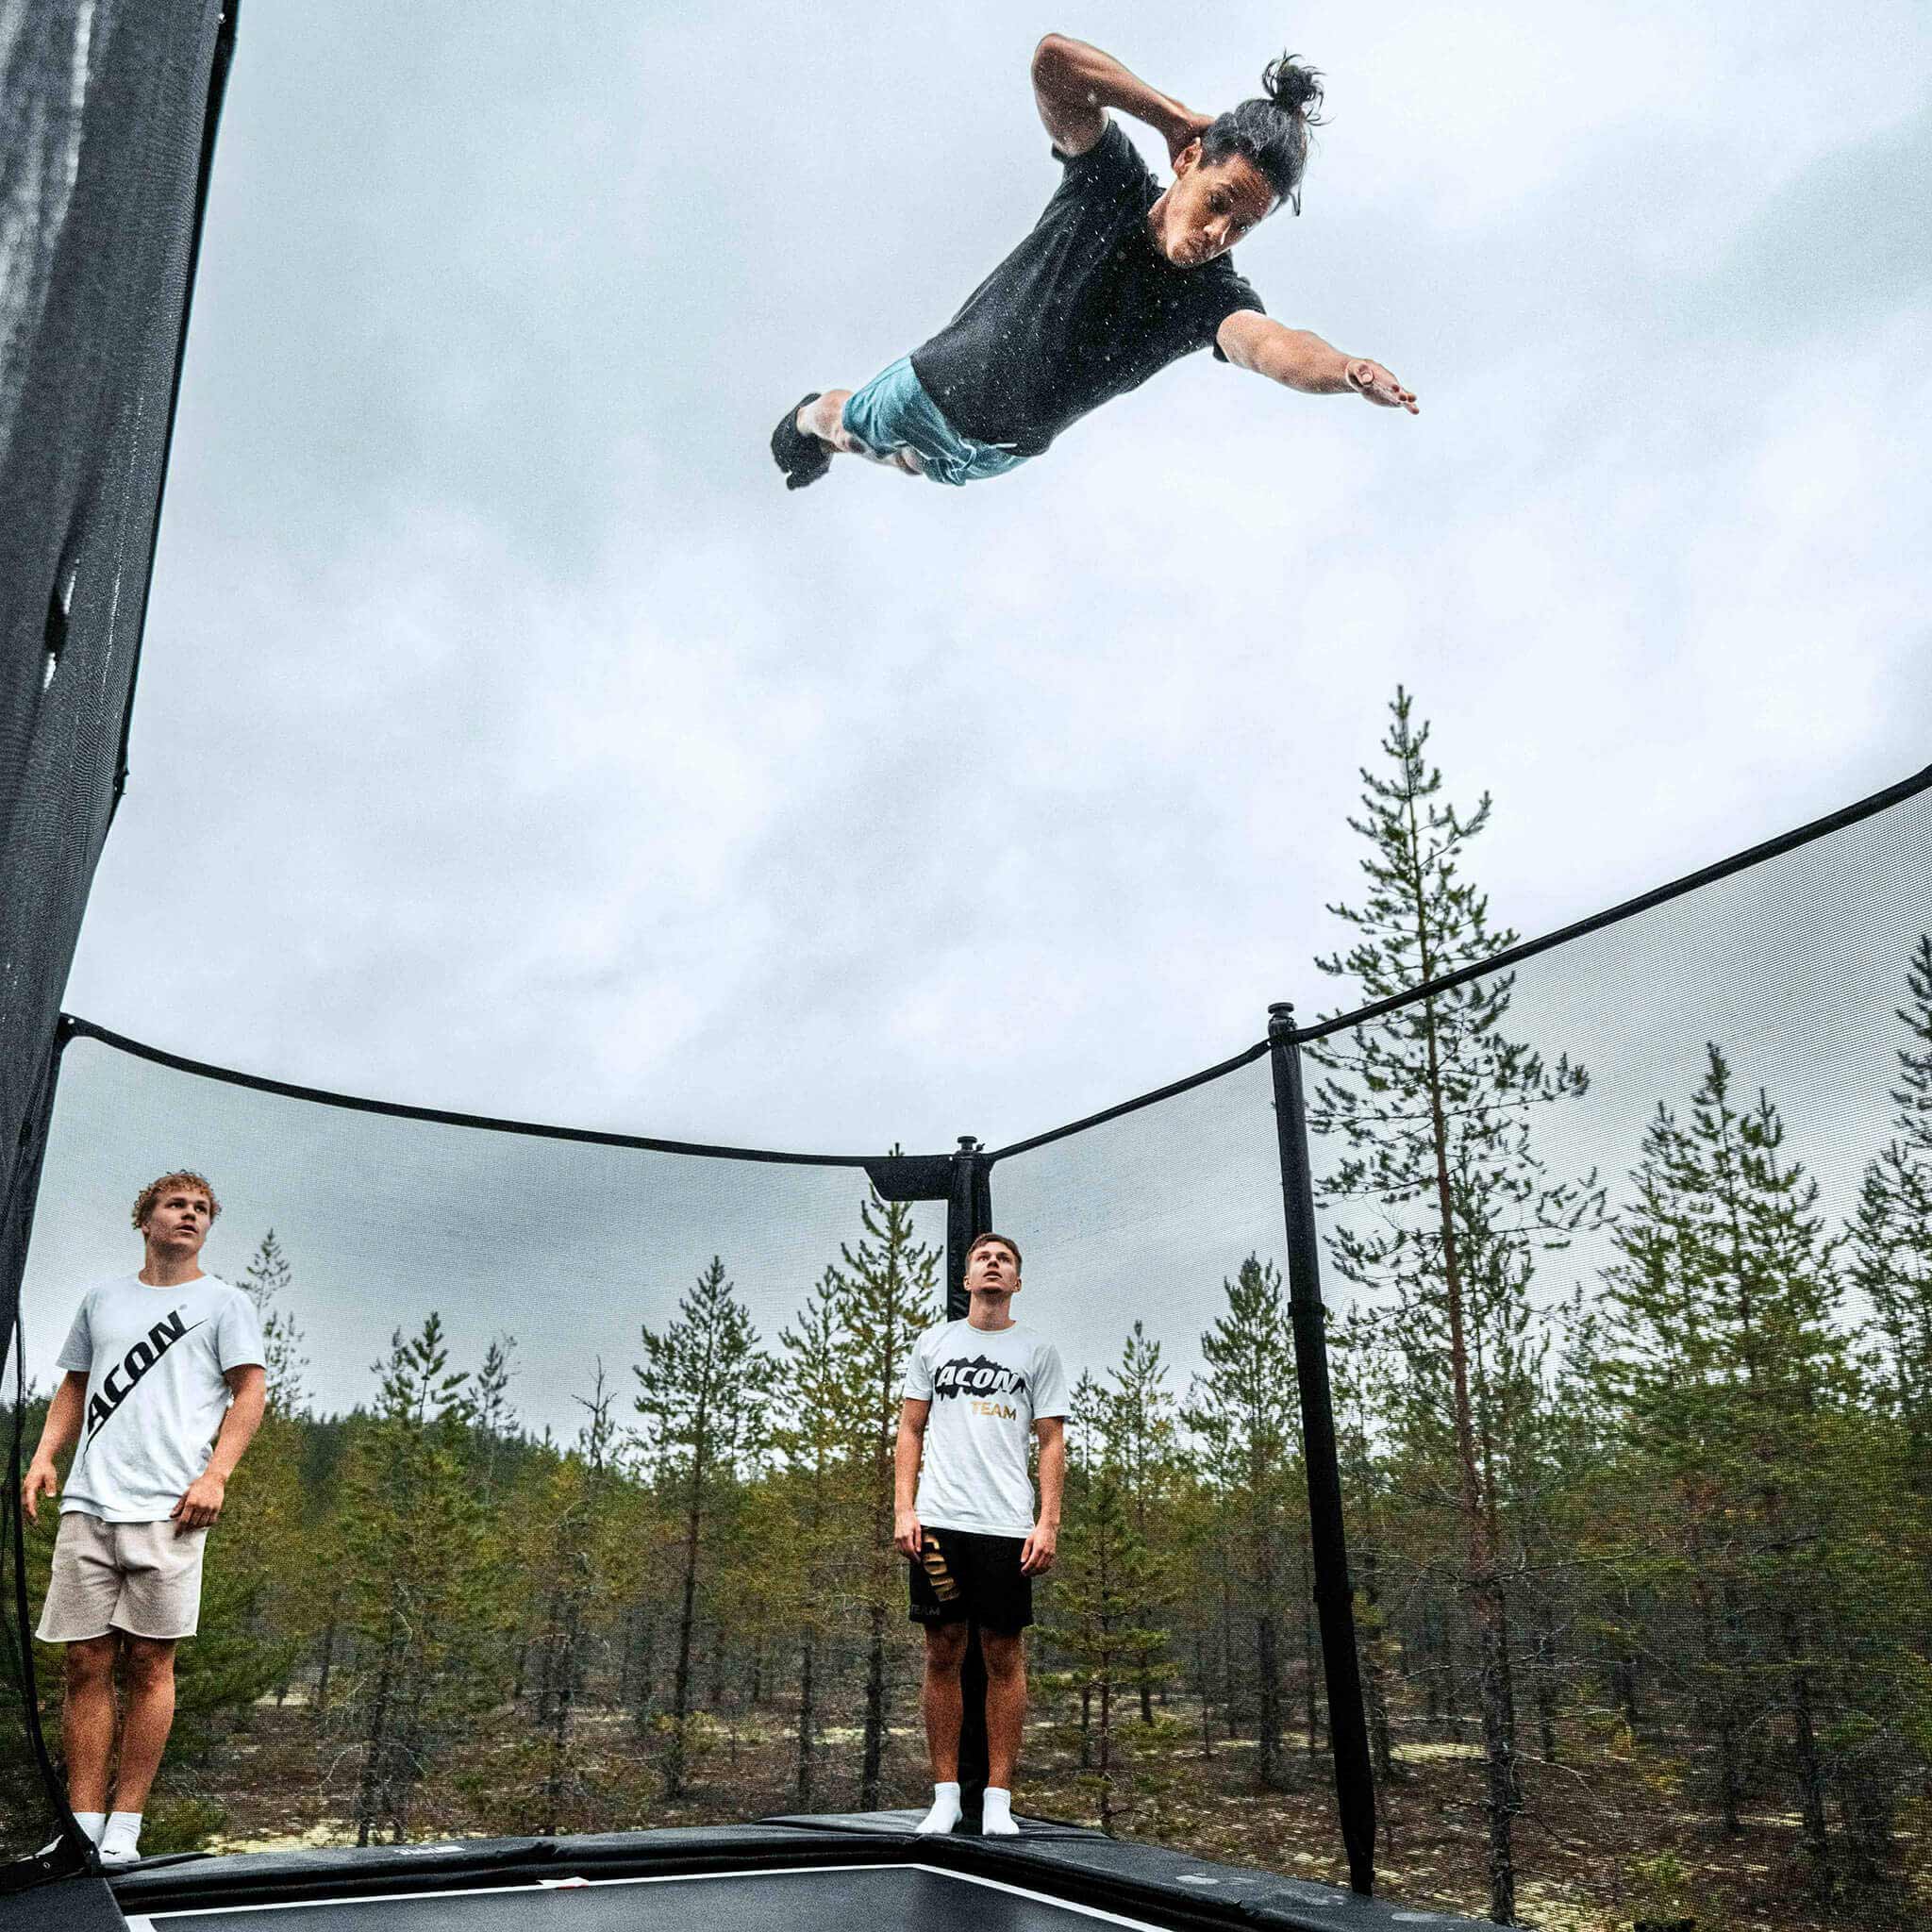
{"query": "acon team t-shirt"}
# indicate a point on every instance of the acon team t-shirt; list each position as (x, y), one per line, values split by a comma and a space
(155, 1359)
(987, 1386)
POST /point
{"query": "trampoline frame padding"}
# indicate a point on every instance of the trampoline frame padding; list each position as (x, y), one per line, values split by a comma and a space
(1101, 1879)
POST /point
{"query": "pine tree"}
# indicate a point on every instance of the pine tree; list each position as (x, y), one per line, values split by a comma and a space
(422, 1599)
(702, 1388)
(1890, 1260)
(1361, 1377)
(1143, 1433)
(1435, 1103)
(885, 1287)
(267, 1280)
(1729, 1367)
(579, 1518)
(1104, 1576)
(818, 1500)
(1243, 1414)
(495, 1419)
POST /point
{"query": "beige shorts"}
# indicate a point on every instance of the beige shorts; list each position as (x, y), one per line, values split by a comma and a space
(140, 1577)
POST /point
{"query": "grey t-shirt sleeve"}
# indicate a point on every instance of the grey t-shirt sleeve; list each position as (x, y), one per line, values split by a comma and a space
(918, 1375)
(238, 1335)
(1049, 1384)
(77, 1352)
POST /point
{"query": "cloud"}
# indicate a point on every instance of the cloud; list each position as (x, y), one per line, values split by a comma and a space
(533, 752)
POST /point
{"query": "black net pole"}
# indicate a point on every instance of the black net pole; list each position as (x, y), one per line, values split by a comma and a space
(1348, 1731)
(969, 1214)
(68, 1851)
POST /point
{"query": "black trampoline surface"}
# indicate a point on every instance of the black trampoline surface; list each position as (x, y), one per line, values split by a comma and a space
(806, 1899)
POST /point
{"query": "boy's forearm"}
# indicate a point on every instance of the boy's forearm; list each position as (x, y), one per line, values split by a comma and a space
(1052, 1480)
(237, 1430)
(906, 1467)
(61, 1429)
(1081, 75)
(1300, 360)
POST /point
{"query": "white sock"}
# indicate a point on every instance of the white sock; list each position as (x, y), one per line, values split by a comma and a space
(121, 1839)
(996, 1814)
(945, 1810)
(92, 1823)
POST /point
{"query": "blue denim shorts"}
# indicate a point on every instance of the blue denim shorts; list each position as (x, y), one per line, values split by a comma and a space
(894, 412)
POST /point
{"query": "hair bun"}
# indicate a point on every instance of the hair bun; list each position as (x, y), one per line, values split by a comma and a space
(1292, 88)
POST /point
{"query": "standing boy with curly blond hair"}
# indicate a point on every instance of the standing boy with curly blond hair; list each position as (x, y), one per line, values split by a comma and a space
(159, 1365)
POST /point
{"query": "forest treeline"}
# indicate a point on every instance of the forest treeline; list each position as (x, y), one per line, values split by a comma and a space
(1680, 1511)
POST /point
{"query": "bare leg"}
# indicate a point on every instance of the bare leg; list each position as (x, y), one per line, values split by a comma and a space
(149, 1717)
(87, 1722)
(945, 1650)
(825, 420)
(1005, 1704)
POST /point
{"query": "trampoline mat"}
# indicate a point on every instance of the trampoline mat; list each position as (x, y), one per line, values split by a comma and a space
(876, 1898)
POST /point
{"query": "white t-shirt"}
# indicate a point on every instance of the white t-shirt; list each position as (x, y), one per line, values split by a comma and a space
(987, 1386)
(155, 1359)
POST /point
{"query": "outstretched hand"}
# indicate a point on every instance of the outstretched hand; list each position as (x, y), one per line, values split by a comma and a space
(1372, 381)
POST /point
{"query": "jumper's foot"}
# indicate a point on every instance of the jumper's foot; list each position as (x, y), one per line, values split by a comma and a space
(804, 459)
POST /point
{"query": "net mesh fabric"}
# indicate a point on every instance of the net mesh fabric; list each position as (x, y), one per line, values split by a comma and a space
(357, 1230)
(100, 182)
(1690, 1361)
(1704, 1542)
(101, 168)
(1773, 1664)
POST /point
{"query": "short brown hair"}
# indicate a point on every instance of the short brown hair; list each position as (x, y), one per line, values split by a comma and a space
(1006, 1241)
(180, 1177)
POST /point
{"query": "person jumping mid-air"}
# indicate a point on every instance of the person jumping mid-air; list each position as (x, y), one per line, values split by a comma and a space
(1118, 279)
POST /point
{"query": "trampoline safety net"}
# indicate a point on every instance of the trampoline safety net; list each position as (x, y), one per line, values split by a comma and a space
(572, 1508)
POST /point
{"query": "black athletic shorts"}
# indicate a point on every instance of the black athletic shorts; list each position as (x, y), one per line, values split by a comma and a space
(963, 1575)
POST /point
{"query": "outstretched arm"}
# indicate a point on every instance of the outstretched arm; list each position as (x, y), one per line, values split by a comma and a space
(1075, 85)
(1298, 358)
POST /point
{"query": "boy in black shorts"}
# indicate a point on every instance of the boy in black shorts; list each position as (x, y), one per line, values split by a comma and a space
(1118, 277)
(975, 1390)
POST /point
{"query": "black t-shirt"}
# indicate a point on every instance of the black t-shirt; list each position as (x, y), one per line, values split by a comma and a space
(1084, 309)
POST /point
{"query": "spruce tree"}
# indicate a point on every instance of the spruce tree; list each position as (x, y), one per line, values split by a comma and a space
(1434, 1104)
(702, 1389)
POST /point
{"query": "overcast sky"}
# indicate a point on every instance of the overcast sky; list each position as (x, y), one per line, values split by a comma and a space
(525, 748)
